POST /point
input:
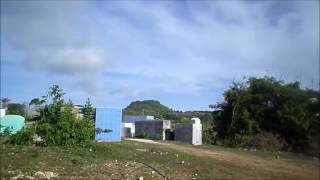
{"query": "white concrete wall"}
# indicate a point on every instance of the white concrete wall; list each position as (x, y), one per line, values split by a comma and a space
(2, 112)
(196, 134)
(128, 125)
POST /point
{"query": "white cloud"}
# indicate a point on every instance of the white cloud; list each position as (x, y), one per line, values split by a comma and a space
(174, 46)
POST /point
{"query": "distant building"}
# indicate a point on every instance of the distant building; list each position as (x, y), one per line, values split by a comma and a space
(32, 112)
(154, 129)
(77, 109)
(134, 118)
(128, 130)
(189, 132)
(108, 119)
(128, 123)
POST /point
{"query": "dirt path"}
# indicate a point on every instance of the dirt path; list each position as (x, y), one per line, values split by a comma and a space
(297, 168)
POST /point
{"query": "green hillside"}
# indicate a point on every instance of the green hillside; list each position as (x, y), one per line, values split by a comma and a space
(155, 108)
(147, 107)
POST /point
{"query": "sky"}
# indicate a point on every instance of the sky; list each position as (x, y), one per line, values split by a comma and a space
(183, 53)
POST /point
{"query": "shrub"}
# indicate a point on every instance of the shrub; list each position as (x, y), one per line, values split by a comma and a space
(57, 123)
(6, 132)
(264, 141)
(23, 137)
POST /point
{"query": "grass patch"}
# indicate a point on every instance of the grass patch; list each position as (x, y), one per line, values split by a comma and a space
(125, 161)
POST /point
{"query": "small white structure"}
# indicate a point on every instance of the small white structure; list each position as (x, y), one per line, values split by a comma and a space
(2, 112)
(77, 109)
(189, 132)
(128, 129)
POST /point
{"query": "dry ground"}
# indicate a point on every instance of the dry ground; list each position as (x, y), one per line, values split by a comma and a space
(132, 159)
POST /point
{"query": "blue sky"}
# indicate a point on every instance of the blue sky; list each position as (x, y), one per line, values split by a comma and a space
(182, 53)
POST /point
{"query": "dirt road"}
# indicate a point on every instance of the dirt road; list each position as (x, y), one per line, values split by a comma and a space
(271, 165)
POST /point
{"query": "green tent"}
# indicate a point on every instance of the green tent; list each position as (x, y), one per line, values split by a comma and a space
(13, 122)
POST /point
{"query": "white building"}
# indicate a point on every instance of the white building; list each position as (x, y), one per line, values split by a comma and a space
(128, 123)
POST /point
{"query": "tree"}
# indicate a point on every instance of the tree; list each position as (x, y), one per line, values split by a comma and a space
(4, 102)
(52, 111)
(88, 111)
(37, 102)
(267, 105)
(58, 124)
(16, 109)
(56, 93)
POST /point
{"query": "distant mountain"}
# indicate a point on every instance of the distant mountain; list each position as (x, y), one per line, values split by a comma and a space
(155, 108)
(147, 107)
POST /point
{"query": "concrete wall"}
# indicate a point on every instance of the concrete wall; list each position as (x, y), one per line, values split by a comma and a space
(2, 112)
(125, 126)
(183, 132)
(152, 129)
(197, 134)
(189, 132)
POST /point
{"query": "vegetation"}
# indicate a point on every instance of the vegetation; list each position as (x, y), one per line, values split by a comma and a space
(57, 124)
(148, 107)
(88, 111)
(16, 109)
(4, 102)
(268, 110)
(129, 160)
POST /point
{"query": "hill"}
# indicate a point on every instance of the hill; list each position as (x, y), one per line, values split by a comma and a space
(147, 107)
(155, 108)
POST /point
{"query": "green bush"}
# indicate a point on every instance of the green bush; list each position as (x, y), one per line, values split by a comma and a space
(23, 137)
(67, 129)
(6, 132)
(264, 141)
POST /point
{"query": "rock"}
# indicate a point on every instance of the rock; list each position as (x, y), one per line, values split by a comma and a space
(45, 175)
(37, 140)
(182, 162)
(116, 161)
(142, 150)
(19, 176)
(40, 175)
(28, 177)
(152, 172)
